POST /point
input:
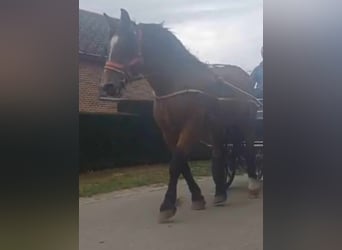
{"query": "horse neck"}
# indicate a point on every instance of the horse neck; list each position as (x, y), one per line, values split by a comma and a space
(168, 70)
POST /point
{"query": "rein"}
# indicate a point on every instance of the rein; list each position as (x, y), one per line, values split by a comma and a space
(259, 104)
(253, 98)
(179, 93)
(195, 91)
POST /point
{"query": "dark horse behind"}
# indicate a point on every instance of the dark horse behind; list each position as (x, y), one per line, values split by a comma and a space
(191, 103)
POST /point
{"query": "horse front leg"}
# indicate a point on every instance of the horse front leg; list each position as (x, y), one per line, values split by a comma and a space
(168, 207)
(198, 201)
(179, 165)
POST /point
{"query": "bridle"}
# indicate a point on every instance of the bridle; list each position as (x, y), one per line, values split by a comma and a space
(124, 69)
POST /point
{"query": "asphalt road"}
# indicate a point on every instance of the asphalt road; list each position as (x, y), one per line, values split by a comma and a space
(128, 220)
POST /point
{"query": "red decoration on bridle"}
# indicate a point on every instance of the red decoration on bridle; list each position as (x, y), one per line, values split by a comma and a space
(121, 68)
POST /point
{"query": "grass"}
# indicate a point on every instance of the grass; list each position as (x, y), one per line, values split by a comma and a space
(122, 178)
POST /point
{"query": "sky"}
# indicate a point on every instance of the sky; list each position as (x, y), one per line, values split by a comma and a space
(215, 31)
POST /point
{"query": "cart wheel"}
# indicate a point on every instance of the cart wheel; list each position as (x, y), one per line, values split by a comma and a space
(229, 173)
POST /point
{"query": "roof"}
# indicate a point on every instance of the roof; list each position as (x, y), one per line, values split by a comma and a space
(93, 34)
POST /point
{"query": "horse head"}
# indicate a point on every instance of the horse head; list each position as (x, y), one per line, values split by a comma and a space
(124, 58)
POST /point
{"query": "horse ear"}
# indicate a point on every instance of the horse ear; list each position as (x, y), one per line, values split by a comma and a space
(108, 19)
(111, 23)
(125, 20)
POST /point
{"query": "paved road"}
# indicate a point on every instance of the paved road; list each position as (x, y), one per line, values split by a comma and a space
(127, 220)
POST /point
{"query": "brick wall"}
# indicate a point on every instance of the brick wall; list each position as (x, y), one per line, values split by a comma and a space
(89, 79)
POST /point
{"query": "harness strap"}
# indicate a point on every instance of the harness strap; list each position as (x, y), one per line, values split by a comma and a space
(178, 93)
(253, 100)
(242, 92)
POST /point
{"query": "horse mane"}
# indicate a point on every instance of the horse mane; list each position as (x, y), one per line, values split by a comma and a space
(176, 49)
(164, 44)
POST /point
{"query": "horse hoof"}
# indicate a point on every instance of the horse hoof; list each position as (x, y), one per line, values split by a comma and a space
(220, 200)
(198, 205)
(254, 186)
(164, 216)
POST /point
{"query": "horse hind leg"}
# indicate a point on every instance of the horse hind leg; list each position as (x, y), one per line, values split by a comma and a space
(219, 176)
(254, 184)
(218, 171)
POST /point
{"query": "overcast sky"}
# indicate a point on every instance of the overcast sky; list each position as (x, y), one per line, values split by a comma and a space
(216, 31)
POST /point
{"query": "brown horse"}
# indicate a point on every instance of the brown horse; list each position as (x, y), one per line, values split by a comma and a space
(187, 108)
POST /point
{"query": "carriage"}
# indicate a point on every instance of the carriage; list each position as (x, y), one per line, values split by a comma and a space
(238, 163)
